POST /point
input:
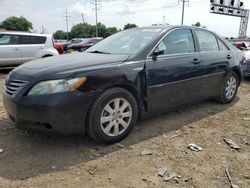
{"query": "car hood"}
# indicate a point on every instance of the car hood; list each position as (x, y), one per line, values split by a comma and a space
(69, 63)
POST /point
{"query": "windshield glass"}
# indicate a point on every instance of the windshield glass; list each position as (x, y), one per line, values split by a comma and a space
(127, 42)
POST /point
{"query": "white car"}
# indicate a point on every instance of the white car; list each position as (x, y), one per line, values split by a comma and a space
(18, 47)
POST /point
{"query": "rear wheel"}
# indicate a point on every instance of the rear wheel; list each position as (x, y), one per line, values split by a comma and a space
(229, 88)
(112, 116)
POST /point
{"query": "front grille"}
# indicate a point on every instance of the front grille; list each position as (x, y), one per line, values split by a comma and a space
(14, 86)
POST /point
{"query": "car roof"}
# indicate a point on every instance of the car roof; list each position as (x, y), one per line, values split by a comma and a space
(170, 27)
(24, 33)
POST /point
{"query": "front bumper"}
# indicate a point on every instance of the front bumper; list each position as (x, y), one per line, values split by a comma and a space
(64, 113)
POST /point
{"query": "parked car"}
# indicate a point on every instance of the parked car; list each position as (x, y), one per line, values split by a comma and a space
(243, 46)
(247, 63)
(72, 41)
(127, 76)
(59, 48)
(85, 44)
(17, 47)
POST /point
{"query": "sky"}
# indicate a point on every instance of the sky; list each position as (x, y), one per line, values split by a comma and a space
(50, 13)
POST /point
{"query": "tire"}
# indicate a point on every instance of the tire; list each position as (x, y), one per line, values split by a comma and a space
(108, 124)
(224, 96)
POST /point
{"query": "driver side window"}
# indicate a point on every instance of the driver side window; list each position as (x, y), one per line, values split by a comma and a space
(177, 42)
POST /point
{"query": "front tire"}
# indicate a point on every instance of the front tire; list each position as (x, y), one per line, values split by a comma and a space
(112, 116)
(229, 88)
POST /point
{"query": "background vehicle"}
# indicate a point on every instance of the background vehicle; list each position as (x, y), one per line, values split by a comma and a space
(17, 48)
(247, 63)
(72, 41)
(85, 44)
(132, 74)
(59, 48)
(244, 45)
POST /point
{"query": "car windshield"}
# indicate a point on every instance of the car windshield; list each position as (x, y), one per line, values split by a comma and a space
(127, 42)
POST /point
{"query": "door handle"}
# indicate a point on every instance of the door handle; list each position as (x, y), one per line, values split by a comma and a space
(229, 56)
(196, 61)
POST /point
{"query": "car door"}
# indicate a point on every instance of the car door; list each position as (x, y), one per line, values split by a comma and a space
(215, 58)
(173, 71)
(31, 47)
(10, 51)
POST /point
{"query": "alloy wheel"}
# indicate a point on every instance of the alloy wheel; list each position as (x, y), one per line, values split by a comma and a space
(116, 117)
(231, 87)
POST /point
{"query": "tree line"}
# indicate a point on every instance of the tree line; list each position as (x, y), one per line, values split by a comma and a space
(85, 30)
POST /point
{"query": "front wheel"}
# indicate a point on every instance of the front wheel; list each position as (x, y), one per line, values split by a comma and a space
(229, 88)
(112, 116)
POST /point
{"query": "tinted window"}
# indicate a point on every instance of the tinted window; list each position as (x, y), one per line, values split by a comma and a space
(8, 39)
(129, 42)
(222, 46)
(177, 42)
(32, 40)
(207, 41)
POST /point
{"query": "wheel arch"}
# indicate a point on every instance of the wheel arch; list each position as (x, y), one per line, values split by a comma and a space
(47, 55)
(238, 72)
(134, 92)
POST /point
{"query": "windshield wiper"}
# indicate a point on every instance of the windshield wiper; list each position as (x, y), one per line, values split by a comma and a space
(98, 52)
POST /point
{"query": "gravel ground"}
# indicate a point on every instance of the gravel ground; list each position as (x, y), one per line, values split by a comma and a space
(38, 160)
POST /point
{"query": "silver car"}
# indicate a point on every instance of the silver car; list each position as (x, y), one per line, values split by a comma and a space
(17, 47)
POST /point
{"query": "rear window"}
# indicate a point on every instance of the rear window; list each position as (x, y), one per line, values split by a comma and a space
(6, 39)
(32, 40)
(207, 41)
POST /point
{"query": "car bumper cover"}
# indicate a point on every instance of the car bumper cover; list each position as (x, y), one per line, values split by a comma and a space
(64, 113)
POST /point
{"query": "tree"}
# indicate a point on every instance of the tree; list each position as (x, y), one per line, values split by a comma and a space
(111, 31)
(62, 35)
(87, 31)
(198, 24)
(16, 24)
(83, 31)
(129, 25)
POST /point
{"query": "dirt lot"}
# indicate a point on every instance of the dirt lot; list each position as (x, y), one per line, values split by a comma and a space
(38, 160)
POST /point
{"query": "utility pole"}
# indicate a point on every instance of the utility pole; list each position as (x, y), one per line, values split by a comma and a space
(96, 4)
(67, 16)
(83, 21)
(43, 30)
(183, 10)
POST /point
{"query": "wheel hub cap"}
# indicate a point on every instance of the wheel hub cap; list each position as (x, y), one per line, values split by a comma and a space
(231, 87)
(116, 117)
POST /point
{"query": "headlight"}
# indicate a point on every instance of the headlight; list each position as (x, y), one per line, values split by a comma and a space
(57, 86)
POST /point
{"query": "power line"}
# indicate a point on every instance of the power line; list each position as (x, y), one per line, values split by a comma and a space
(67, 16)
(96, 8)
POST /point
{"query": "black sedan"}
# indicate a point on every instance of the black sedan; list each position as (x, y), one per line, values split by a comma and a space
(128, 76)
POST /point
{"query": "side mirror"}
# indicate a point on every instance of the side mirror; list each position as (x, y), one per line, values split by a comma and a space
(157, 53)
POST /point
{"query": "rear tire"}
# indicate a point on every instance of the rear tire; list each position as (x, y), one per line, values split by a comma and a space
(229, 89)
(112, 116)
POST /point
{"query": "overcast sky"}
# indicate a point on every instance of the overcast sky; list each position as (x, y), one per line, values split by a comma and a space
(49, 13)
